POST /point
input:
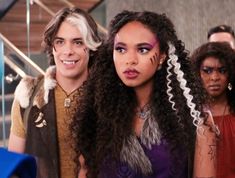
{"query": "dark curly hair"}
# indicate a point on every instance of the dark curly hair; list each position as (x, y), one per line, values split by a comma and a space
(107, 110)
(226, 55)
(55, 23)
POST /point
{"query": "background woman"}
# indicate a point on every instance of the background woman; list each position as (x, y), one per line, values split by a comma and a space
(214, 63)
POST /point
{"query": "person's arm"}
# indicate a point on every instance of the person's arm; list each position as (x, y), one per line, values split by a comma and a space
(17, 133)
(82, 171)
(16, 143)
(205, 154)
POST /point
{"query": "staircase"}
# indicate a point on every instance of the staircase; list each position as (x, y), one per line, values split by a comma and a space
(13, 24)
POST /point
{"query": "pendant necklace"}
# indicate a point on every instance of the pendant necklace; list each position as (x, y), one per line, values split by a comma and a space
(144, 112)
(67, 102)
(68, 99)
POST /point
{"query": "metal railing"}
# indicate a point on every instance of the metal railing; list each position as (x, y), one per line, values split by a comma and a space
(36, 70)
(6, 57)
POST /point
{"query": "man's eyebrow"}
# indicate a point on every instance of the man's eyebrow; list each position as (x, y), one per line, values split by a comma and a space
(80, 38)
(58, 38)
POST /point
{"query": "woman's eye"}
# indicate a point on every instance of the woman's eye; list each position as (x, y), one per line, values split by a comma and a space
(120, 49)
(143, 50)
(207, 70)
(223, 70)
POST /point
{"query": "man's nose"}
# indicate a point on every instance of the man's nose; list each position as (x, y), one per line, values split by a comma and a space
(68, 48)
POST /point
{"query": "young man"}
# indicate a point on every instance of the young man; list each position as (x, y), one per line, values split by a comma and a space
(70, 40)
(222, 33)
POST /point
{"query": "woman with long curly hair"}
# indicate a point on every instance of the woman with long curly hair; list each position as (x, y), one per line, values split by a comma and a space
(142, 103)
(215, 64)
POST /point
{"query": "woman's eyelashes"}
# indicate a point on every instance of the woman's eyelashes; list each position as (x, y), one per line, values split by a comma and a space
(222, 70)
(143, 50)
(139, 49)
(120, 49)
(209, 70)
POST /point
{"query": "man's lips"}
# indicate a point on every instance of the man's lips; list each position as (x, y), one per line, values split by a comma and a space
(69, 62)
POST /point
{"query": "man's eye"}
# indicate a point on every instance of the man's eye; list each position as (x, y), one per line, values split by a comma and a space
(58, 42)
(120, 49)
(79, 42)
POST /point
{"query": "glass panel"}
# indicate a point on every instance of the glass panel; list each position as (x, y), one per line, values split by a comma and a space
(3, 118)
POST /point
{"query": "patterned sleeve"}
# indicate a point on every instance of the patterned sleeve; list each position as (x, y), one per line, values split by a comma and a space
(17, 126)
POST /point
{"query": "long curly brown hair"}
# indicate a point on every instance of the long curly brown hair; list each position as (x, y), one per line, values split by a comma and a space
(226, 55)
(106, 112)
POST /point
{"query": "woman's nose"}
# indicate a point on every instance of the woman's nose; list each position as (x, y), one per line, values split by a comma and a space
(132, 58)
(215, 75)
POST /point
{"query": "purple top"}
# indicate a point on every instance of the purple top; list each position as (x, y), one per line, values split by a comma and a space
(159, 157)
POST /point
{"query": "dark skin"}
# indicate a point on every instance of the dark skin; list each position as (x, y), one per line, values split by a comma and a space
(212, 152)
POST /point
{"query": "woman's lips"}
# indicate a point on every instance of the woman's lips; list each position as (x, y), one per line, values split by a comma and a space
(131, 74)
(214, 87)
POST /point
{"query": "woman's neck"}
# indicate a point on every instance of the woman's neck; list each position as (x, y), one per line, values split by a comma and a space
(219, 106)
(143, 95)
